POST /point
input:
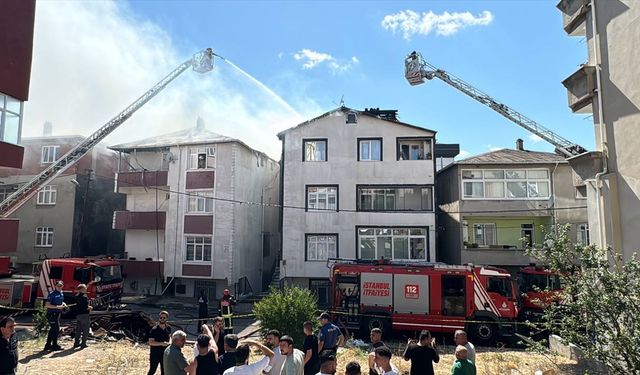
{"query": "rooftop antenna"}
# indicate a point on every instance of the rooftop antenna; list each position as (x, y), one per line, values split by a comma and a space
(341, 101)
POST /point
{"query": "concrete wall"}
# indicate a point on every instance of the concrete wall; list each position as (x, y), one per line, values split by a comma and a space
(58, 216)
(618, 31)
(343, 169)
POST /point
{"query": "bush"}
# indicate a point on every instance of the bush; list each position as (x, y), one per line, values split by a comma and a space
(40, 322)
(287, 311)
(599, 304)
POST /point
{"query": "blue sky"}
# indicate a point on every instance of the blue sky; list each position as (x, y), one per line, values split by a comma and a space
(313, 53)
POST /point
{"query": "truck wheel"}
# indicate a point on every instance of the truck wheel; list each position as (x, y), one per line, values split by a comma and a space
(484, 332)
(377, 322)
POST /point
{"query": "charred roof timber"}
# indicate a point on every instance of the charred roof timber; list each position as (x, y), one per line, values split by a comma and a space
(383, 114)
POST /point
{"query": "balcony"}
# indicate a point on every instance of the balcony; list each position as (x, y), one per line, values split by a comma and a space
(495, 256)
(12, 155)
(139, 220)
(142, 268)
(574, 16)
(581, 88)
(9, 235)
(141, 179)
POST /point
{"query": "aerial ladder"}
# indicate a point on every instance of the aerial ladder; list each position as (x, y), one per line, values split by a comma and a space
(201, 62)
(417, 71)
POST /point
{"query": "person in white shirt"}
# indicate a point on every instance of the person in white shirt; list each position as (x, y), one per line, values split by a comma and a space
(460, 337)
(243, 367)
(328, 364)
(273, 341)
(383, 361)
(294, 362)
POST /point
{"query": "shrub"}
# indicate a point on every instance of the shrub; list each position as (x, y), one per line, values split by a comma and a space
(599, 304)
(287, 311)
(40, 322)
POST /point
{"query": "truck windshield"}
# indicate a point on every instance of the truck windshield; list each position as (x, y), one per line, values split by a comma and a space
(532, 283)
(108, 274)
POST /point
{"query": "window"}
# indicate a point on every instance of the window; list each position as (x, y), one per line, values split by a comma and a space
(484, 234)
(47, 195)
(200, 201)
(414, 148)
(322, 198)
(44, 236)
(321, 246)
(82, 275)
(581, 192)
(55, 272)
(583, 234)
(322, 289)
(419, 198)
(370, 149)
(393, 243)
(314, 150)
(202, 157)
(500, 285)
(49, 154)
(10, 119)
(506, 184)
(6, 191)
(526, 233)
(198, 249)
(453, 296)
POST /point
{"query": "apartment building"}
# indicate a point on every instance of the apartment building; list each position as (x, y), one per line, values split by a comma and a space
(201, 214)
(355, 185)
(606, 86)
(492, 206)
(72, 214)
(16, 45)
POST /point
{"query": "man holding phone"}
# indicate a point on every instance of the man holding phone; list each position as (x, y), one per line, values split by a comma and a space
(422, 354)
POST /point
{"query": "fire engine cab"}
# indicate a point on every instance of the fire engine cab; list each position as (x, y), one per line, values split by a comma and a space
(412, 296)
(103, 278)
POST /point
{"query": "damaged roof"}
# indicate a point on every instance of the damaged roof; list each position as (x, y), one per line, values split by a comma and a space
(346, 110)
(509, 156)
(196, 135)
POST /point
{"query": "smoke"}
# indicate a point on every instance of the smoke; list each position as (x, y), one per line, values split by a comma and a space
(93, 59)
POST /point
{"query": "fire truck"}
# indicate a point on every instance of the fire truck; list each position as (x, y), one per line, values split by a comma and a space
(412, 296)
(538, 288)
(103, 278)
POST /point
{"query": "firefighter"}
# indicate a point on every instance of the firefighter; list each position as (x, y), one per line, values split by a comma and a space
(226, 311)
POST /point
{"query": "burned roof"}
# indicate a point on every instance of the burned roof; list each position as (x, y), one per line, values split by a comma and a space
(509, 156)
(385, 115)
(191, 136)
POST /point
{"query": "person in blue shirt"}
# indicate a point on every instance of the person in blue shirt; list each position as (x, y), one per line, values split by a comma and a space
(330, 336)
(55, 305)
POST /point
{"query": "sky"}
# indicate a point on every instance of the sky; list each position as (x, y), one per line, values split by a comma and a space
(92, 59)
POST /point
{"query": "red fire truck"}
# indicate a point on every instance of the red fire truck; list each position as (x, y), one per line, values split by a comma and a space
(413, 296)
(538, 288)
(103, 278)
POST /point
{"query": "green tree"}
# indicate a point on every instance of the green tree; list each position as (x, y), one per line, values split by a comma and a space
(599, 307)
(287, 311)
(40, 322)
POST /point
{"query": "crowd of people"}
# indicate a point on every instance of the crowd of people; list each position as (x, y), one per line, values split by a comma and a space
(219, 353)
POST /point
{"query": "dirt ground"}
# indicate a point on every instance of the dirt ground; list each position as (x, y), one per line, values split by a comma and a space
(123, 358)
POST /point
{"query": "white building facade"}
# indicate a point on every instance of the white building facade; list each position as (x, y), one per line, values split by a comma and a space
(356, 185)
(198, 215)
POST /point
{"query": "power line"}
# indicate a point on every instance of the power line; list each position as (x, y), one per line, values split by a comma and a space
(347, 210)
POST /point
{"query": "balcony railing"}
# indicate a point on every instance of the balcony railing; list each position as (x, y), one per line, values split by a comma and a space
(574, 16)
(141, 179)
(139, 220)
(581, 88)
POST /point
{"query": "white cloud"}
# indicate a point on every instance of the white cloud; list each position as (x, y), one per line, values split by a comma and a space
(493, 148)
(92, 59)
(410, 23)
(313, 58)
(535, 138)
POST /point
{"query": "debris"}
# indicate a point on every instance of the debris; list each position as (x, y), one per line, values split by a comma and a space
(117, 325)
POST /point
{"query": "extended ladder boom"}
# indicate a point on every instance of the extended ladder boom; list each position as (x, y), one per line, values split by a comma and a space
(417, 71)
(201, 62)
